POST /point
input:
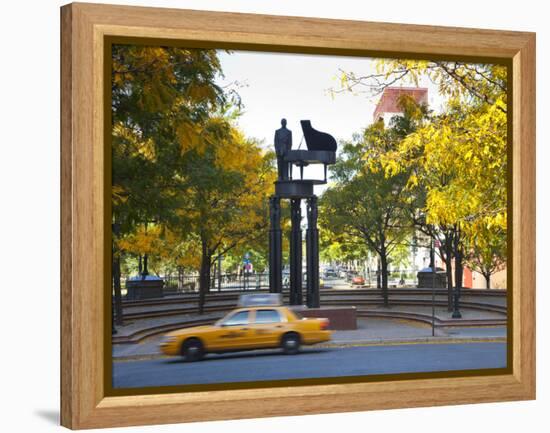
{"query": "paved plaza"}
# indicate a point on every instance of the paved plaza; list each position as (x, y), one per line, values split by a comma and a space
(406, 321)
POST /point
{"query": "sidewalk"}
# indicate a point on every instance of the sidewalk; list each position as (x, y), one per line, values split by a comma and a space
(370, 331)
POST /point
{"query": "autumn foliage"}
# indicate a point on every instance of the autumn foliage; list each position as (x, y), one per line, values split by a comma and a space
(187, 184)
(450, 168)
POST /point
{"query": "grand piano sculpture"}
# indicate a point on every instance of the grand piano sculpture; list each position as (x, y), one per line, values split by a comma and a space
(321, 149)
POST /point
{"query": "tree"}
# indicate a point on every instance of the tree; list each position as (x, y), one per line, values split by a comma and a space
(226, 202)
(487, 251)
(366, 202)
(476, 84)
(159, 96)
(162, 98)
(459, 157)
(179, 164)
(341, 247)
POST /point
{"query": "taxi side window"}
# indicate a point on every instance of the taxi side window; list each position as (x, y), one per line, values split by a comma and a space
(240, 318)
(268, 316)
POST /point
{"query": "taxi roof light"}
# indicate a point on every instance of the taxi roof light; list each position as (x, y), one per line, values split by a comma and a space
(260, 299)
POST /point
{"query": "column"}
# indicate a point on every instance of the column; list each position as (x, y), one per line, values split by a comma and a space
(295, 252)
(312, 248)
(275, 246)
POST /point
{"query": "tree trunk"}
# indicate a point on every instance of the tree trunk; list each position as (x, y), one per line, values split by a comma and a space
(448, 259)
(378, 275)
(384, 272)
(117, 290)
(145, 271)
(459, 267)
(204, 278)
(180, 278)
(487, 281)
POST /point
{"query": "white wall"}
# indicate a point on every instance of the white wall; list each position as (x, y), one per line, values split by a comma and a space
(29, 167)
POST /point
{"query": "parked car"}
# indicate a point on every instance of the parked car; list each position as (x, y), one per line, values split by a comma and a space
(350, 275)
(258, 327)
(330, 273)
(358, 280)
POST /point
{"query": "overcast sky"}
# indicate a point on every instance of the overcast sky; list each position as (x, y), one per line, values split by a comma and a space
(295, 86)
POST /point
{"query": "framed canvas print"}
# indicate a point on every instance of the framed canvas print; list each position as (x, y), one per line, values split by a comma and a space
(266, 216)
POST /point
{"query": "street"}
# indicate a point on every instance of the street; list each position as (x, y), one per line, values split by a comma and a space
(310, 363)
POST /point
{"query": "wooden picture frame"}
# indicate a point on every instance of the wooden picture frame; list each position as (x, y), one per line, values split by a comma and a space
(85, 228)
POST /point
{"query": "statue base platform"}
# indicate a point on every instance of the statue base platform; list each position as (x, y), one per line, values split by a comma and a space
(296, 188)
(340, 318)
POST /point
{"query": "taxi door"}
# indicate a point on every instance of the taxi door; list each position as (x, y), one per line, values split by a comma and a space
(232, 333)
(267, 327)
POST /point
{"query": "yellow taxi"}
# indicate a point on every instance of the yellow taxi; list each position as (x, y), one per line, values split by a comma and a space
(248, 328)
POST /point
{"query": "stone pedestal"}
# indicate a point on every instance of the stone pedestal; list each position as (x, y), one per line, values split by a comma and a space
(427, 279)
(275, 246)
(144, 288)
(340, 318)
(312, 248)
(295, 252)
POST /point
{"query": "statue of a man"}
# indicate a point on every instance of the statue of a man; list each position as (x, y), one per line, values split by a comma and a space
(283, 144)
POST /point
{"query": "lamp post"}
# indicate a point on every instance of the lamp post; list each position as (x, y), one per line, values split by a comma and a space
(456, 297)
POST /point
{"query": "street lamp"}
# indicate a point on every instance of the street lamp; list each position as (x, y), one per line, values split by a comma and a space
(456, 296)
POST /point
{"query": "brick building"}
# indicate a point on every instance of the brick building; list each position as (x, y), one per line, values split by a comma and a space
(388, 105)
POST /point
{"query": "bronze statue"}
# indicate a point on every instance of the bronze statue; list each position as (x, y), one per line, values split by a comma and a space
(283, 144)
(321, 149)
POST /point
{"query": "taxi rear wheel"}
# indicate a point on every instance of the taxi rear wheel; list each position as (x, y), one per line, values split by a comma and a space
(290, 343)
(192, 350)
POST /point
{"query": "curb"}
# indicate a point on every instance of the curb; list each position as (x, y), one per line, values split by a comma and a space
(344, 344)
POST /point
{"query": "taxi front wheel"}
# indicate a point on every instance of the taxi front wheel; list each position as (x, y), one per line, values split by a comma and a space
(290, 343)
(192, 350)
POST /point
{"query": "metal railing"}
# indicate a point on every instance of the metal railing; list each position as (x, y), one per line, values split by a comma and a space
(223, 282)
(188, 283)
(396, 277)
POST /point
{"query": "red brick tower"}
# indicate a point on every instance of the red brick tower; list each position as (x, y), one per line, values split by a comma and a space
(389, 101)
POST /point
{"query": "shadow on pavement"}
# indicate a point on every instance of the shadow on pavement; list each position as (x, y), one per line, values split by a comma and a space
(221, 356)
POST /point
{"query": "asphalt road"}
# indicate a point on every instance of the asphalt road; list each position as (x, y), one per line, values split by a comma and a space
(310, 363)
